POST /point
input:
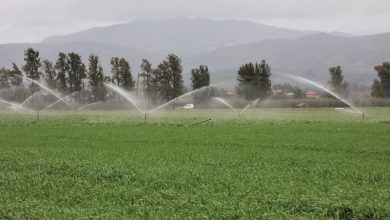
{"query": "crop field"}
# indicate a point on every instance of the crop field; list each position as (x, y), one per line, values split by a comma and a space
(265, 164)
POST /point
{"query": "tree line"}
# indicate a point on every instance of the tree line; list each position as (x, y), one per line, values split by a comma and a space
(68, 74)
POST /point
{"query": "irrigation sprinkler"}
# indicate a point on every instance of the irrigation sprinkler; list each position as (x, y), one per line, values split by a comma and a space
(145, 117)
(363, 117)
(200, 122)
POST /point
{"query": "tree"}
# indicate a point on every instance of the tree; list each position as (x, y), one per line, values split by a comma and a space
(162, 81)
(32, 65)
(96, 78)
(147, 74)
(168, 78)
(76, 72)
(337, 79)
(254, 80)
(62, 69)
(200, 77)
(126, 78)
(264, 79)
(248, 81)
(121, 73)
(4, 78)
(50, 74)
(16, 75)
(298, 93)
(384, 80)
(115, 71)
(377, 90)
(175, 70)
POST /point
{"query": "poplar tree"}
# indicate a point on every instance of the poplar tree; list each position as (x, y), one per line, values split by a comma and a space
(337, 79)
(147, 74)
(200, 77)
(96, 78)
(62, 68)
(50, 74)
(76, 72)
(126, 79)
(32, 64)
(254, 80)
(381, 87)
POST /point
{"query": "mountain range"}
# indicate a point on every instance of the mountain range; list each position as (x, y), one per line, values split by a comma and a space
(222, 45)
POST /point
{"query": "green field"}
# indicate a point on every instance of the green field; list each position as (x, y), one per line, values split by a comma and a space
(268, 164)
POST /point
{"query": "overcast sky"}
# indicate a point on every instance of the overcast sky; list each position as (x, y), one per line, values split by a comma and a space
(34, 20)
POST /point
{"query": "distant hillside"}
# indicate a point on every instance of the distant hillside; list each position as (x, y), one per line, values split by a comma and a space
(182, 35)
(309, 56)
(223, 45)
(14, 53)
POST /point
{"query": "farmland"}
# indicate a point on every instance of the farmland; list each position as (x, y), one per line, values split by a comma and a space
(267, 164)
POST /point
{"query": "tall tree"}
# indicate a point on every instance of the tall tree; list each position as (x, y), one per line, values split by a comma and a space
(16, 75)
(168, 78)
(248, 81)
(200, 77)
(175, 70)
(147, 74)
(32, 65)
(264, 79)
(121, 73)
(62, 68)
(337, 79)
(162, 81)
(384, 79)
(96, 78)
(377, 90)
(254, 80)
(126, 78)
(4, 78)
(50, 73)
(76, 72)
(115, 71)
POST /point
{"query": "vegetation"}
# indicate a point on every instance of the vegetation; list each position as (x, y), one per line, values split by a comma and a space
(121, 73)
(200, 77)
(147, 74)
(293, 164)
(62, 69)
(336, 81)
(33, 64)
(32, 67)
(96, 78)
(69, 75)
(381, 87)
(167, 78)
(50, 73)
(254, 80)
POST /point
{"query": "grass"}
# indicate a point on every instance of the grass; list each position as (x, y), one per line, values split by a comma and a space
(270, 164)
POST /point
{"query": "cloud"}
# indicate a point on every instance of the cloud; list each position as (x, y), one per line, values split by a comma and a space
(33, 20)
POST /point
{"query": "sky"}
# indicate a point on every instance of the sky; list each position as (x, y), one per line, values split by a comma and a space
(35, 20)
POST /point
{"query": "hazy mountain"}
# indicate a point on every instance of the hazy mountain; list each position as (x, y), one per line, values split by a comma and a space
(15, 53)
(183, 36)
(309, 56)
(234, 42)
